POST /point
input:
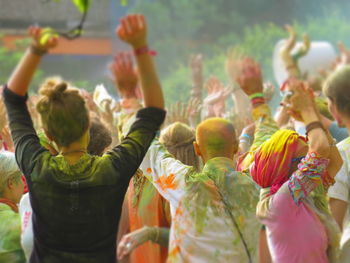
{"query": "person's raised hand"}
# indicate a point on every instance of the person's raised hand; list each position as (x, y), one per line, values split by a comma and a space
(300, 100)
(194, 107)
(43, 39)
(178, 112)
(124, 74)
(249, 76)
(133, 30)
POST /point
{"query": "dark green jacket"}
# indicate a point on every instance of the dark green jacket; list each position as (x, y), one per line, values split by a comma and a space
(76, 208)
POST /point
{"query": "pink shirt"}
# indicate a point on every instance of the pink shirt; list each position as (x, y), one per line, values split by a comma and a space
(294, 230)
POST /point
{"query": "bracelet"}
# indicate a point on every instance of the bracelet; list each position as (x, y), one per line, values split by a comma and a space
(256, 95)
(257, 101)
(246, 135)
(37, 51)
(144, 50)
(313, 125)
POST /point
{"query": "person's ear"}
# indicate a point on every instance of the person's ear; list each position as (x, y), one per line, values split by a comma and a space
(196, 148)
(10, 183)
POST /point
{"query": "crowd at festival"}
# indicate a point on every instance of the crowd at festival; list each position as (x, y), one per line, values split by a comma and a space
(87, 178)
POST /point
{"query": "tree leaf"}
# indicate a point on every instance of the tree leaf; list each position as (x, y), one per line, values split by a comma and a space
(82, 5)
(123, 2)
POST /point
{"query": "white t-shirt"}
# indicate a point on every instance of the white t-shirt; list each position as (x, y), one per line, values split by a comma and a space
(25, 210)
(341, 189)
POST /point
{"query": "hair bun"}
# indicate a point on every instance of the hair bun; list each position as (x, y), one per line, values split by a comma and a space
(53, 90)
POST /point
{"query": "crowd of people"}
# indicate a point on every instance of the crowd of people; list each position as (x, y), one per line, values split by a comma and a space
(86, 178)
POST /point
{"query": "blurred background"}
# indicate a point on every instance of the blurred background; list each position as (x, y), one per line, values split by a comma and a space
(177, 29)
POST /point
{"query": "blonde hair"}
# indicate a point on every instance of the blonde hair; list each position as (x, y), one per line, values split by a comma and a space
(178, 138)
(63, 112)
(8, 169)
(337, 88)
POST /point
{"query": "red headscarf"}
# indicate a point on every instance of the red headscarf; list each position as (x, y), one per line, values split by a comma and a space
(272, 162)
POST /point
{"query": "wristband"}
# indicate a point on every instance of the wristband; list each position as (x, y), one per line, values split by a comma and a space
(37, 51)
(246, 135)
(256, 95)
(313, 125)
(144, 50)
(257, 101)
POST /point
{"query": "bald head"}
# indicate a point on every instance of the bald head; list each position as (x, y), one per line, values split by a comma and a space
(215, 137)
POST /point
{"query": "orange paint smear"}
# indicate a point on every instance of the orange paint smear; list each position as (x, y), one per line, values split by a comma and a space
(167, 182)
(174, 251)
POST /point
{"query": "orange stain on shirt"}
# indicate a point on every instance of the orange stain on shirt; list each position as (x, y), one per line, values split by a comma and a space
(174, 251)
(178, 211)
(167, 182)
(149, 170)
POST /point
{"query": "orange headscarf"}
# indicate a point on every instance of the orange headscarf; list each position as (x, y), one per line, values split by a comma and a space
(272, 162)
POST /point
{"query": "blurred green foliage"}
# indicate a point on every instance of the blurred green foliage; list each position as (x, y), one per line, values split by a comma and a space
(180, 28)
(9, 59)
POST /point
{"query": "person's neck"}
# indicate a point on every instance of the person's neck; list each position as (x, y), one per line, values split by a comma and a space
(205, 159)
(73, 152)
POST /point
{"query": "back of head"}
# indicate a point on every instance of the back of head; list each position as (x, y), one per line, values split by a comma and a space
(337, 89)
(216, 137)
(8, 169)
(178, 138)
(63, 112)
(100, 138)
(272, 161)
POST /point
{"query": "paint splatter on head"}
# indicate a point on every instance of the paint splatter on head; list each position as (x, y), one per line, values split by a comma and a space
(216, 137)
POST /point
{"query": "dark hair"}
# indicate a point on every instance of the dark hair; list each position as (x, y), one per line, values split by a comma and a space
(100, 137)
(63, 112)
(337, 89)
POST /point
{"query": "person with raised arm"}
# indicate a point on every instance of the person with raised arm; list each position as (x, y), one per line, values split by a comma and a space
(77, 198)
(294, 175)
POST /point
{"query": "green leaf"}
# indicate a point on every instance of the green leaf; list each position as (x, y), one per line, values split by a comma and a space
(82, 5)
(123, 2)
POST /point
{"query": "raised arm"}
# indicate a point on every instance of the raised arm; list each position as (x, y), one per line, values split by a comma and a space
(133, 147)
(24, 72)
(250, 80)
(322, 160)
(22, 131)
(133, 30)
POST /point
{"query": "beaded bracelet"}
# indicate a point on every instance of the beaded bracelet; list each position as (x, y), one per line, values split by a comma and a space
(246, 135)
(256, 95)
(257, 101)
(144, 50)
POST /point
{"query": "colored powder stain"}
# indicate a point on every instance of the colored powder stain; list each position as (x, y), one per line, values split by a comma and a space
(178, 211)
(167, 182)
(174, 251)
(149, 170)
